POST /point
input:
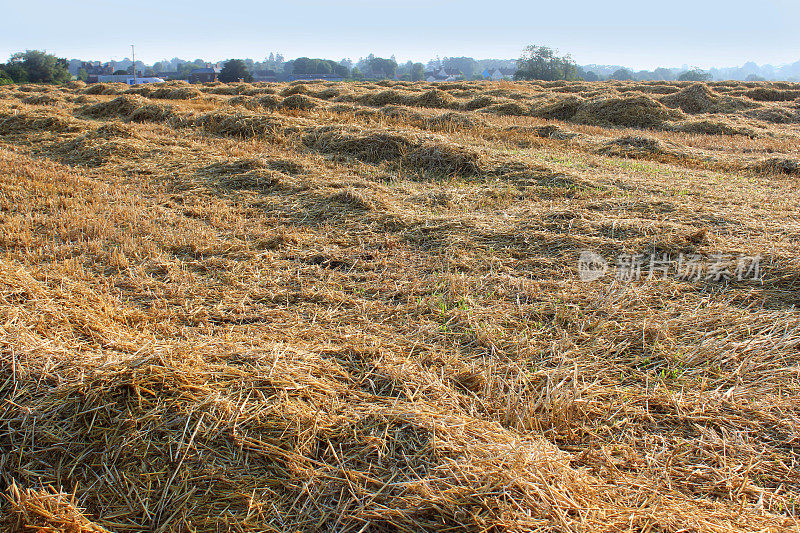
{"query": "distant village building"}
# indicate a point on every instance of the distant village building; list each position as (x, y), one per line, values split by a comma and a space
(169, 75)
(443, 74)
(497, 74)
(128, 78)
(265, 75)
(202, 75)
(94, 69)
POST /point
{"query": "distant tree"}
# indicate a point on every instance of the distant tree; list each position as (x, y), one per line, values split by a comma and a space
(304, 66)
(544, 63)
(404, 70)
(417, 72)
(235, 70)
(37, 67)
(5, 79)
(184, 68)
(16, 72)
(121, 72)
(695, 74)
(755, 77)
(357, 74)
(621, 74)
(466, 65)
(663, 74)
(434, 64)
(382, 68)
(82, 74)
(588, 75)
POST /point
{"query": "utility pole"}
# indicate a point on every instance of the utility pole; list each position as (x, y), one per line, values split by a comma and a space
(133, 55)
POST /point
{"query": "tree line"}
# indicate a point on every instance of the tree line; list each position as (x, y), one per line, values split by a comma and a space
(545, 63)
(34, 66)
(536, 62)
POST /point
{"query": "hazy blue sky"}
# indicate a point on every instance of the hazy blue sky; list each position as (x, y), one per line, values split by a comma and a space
(639, 34)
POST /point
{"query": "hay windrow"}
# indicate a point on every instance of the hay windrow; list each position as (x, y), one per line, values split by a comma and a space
(42, 99)
(507, 108)
(248, 175)
(768, 94)
(700, 98)
(153, 113)
(479, 102)
(383, 98)
(18, 123)
(105, 88)
(551, 131)
(434, 98)
(775, 115)
(299, 102)
(122, 106)
(227, 89)
(561, 109)
(630, 111)
(636, 146)
(352, 198)
(240, 124)
(424, 152)
(715, 127)
(777, 166)
(99, 147)
(175, 93)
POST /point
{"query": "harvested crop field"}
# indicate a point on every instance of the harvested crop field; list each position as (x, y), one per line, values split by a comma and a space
(370, 307)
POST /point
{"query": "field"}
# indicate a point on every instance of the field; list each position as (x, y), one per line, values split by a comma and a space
(361, 307)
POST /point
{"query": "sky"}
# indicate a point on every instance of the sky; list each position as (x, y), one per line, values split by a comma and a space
(637, 34)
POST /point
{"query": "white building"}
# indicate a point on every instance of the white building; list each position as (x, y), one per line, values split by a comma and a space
(127, 78)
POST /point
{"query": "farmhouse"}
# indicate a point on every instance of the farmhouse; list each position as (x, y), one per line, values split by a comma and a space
(129, 79)
(443, 74)
(202, 75)
(497, 74)
(94, 69)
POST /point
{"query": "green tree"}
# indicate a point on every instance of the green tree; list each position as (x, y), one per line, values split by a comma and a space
(235, 70)
(83, 75)
(16, 72)
(417, 72)
(37, 67)
(357, 74)
(382, 68)
(5, 79)
(663, 74)
(588, 75)
(544, 63)
(695, 74)
(304, 66)
(466, 65)
(621, 75)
